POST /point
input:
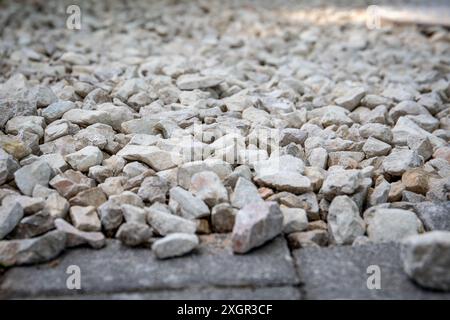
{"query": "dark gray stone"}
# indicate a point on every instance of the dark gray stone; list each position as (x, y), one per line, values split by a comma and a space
(341, 273)
(434, 215)
(119, 269)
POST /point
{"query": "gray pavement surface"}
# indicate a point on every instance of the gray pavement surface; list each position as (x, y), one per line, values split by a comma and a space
(213, 272)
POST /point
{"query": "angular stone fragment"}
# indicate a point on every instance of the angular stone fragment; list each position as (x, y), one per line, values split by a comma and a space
(89, 197)
(426, 259)
(380, 193)
(174, 245)
(85, 218)
(185, 204)
(57, 206)
(193, 81)
(256, 223)
(434, 215)
(56, 110)
(223, 216)
(344, 221)
(29, 205)
(153, 189)
(34, 225)
(416, 180)
(207, 186)
(375, 148)
(85, 158)
(401, 160)
(70, 183)
(187, 170)
(8, 165)
(86, 118)
(75, 237)
(294, 220)
(127, 197)
(341, 182)
(153, 156)
(165, 223)
(312, 238)
(10, 215)
(27, 177)
(351, 99)
(31, 251)
(391, 224)
(111, 216)
(245, 192)
(134, 214)
(134, 234)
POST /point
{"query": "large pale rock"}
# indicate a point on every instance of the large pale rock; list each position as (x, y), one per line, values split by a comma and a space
(8, 165)
(85, 218)
(385, 224)
(194, 81)
(34, 225)
(164, 222)
(31, 251)
(37, 173)
(185, 204)
(85, 158)
(375, 148)
(134, 234)
(207, 186)
(56, 110)
(10, 215)
(70, 183)
(405, 128)
(401, 160)
(85, 118)
(89, 197)
(341, 182)
(187, 170)
(111, 216)
(174, 245)
(351, 99)
(245, 192)
(256, 223)
(156, 158)
(154, 189)
(283, 173)
(426, 259)
(344, 221)
(75, 237)
(294, 220)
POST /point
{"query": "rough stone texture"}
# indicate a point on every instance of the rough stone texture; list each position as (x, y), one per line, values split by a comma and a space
(29, 176)
(344, 221)
(85, 218)
(256, 223)
(341, 273)
(134, 234)
(75, 237)
(226, 270)
(31, 251)
(302, 111)
(165, 223)
(223, 217)
(10, 215)
(244, 193)
(434, 215)
(426, 259)
(174, 245)
(207, 186)
(391, 224)
(183, 203)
